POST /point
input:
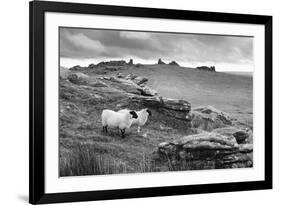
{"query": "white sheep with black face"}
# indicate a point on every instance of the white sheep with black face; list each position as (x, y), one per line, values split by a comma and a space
(120, 120)
(142, 117)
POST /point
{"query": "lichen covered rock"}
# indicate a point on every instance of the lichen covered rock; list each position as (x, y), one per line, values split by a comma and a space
(221, 150)
(209, 118)
(78, 78)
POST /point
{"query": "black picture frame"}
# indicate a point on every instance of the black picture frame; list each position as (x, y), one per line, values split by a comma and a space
(37, 10)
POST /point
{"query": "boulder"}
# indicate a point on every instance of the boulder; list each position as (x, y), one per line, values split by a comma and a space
(160, 62)
(146, 91)
(78, 78)
(140, 80)
(240, 135)
(174, 63)
(209, 118)
(207, 148)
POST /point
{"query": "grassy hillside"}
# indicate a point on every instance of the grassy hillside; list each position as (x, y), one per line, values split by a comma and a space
(85, 149)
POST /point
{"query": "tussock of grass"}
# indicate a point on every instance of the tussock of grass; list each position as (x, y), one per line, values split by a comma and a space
(85, 161)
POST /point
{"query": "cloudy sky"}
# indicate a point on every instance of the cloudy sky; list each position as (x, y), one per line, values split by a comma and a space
(85, 46)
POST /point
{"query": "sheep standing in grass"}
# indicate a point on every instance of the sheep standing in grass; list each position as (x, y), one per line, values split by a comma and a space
(120, 120)
(142, 117)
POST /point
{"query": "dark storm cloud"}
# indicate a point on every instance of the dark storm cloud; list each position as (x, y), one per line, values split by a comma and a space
(91, 43)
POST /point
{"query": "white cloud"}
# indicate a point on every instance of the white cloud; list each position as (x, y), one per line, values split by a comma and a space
(134, 35)
(80, 40)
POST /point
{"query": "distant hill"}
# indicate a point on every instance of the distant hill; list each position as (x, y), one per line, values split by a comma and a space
(241, 73)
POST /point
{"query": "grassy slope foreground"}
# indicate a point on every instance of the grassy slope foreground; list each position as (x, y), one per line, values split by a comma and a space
(85, 149)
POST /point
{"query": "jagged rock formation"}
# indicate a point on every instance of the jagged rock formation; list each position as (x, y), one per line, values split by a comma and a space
(112, 63)
(206, 68)
(131, 62)
(212, 149)
(160, 62)
(174, 63)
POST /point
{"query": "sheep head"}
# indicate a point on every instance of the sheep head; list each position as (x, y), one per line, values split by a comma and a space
(149, 112)
(134, 114)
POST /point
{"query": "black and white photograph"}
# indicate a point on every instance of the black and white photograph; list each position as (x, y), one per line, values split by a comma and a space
(139, 101)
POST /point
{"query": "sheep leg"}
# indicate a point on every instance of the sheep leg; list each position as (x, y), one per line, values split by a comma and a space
(104, 128)
(122, 133)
